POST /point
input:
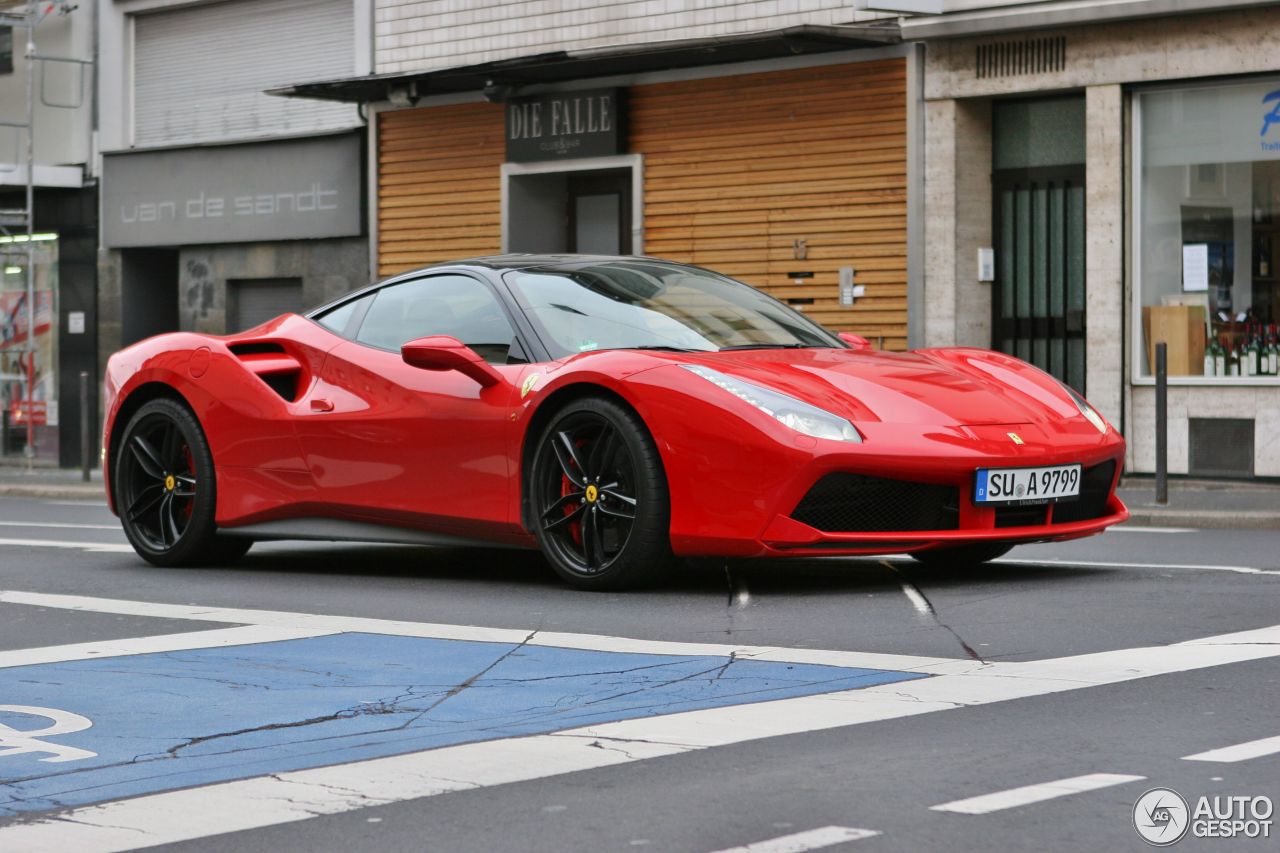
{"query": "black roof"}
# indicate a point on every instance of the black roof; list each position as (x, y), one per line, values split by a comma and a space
(568, 65)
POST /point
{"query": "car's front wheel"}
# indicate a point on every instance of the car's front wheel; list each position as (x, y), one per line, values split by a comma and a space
(599, 498)
(164, 489)
(962, 555)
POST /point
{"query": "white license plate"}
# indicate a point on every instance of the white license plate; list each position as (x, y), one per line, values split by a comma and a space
(1026, 485)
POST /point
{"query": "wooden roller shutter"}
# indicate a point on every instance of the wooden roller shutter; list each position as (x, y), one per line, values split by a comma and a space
(439, 191)
(738, 168)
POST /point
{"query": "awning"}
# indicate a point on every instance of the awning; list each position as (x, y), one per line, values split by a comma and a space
(508, 75)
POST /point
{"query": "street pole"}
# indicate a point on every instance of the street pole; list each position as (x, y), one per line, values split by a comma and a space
(84, 426)
(30, 452)
(1162, 423)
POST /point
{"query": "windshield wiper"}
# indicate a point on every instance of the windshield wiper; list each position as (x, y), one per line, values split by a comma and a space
(769, 346)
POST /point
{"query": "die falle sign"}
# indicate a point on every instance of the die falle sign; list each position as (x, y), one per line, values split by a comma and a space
(566, 125)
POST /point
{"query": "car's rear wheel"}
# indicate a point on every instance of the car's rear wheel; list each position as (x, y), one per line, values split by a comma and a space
(599, 498)
(963, 555)
(164, 489)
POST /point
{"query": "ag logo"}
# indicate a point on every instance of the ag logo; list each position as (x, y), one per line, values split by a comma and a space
(15, 741)
(1161, 816)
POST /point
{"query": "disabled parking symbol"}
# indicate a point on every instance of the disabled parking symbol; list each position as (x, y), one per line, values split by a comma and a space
(20, 741)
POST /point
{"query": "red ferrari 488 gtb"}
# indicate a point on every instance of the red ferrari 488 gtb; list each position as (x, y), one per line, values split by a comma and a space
(613, 412)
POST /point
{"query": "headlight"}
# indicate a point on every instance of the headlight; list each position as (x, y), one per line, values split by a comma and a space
(793, 413)
(1090, 413)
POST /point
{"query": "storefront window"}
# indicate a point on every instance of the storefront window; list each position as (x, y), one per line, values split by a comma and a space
(23, 361)
(1208, 216)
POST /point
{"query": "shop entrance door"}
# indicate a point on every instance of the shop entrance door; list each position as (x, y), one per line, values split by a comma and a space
(599, 212)
(553, 208)
(1038, 302)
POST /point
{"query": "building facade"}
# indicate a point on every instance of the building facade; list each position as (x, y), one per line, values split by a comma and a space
(47, 324)
(222, 206)
(774, 146)
(1101, 177)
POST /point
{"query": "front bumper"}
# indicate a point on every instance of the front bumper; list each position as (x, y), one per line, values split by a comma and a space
(786, 537)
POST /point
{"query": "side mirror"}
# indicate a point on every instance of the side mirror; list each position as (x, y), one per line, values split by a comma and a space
(442, 352)
(858, 342)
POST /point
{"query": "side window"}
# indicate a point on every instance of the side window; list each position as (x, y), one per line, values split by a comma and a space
(339, 318)
(453, 305)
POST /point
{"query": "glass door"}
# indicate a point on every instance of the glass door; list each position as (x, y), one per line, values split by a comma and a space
(1039, 297)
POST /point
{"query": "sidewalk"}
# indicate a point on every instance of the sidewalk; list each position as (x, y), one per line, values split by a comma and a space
(1215, 504)
(43, 481)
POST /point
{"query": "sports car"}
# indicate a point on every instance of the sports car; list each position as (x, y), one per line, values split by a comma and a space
(617, 413)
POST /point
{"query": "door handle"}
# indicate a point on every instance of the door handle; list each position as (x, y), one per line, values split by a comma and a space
(318, 405)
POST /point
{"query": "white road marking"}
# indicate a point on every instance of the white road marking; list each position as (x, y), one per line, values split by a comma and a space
(1239, 752)
(1028, 794)
(209, 639)
(589, 642)
(1107, 564)
(102, 503)
(917, 600)
(799, 842)
(60, 525)
(105, 547)
(177, 816)
(1135, 528)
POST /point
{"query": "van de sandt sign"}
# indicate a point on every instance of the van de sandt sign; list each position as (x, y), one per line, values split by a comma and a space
(287, 190)
(566, 124)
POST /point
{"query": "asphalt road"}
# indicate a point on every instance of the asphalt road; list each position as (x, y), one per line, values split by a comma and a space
(888, 690)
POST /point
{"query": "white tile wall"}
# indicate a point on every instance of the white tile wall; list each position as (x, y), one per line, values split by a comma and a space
(420, 35)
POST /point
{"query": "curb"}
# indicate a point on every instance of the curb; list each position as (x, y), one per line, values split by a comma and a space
(1205, 519)
(91, 492)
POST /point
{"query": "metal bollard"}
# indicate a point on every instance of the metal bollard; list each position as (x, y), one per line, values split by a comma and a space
(1162, 423)
(85, 441)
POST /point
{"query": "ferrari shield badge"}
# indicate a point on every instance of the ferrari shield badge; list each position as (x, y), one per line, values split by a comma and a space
(529, 381)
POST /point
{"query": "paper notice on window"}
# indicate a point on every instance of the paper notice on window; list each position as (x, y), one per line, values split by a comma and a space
(1195, 266)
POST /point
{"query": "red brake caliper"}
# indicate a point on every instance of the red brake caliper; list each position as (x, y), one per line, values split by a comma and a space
(567, 488)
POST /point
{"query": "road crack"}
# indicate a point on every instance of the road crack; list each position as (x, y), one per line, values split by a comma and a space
(924, 605)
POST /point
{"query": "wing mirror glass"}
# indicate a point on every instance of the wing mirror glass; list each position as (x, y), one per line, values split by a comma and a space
(856, 341)
(442, 352)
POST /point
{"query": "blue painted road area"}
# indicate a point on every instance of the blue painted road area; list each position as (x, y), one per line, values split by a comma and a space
(179, 719)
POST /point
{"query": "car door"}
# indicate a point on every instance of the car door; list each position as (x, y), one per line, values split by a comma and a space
(389, 442)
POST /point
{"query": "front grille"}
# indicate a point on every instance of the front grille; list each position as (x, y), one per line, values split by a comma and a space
(855, 503)
(1095, 486)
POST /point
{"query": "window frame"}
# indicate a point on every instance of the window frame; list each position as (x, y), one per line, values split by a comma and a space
(1133, 230)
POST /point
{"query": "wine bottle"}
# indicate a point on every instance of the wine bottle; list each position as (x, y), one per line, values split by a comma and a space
(1219, 358)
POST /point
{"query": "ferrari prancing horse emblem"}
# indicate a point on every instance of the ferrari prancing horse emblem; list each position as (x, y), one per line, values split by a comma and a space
(1017, 439)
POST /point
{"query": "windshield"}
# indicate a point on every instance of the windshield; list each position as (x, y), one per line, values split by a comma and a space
(647, 304)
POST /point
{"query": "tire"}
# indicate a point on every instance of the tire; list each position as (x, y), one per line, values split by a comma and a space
(165, 489)
(600, 507)
(962, 555)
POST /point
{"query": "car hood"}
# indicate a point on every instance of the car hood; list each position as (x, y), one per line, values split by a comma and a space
(914, 388)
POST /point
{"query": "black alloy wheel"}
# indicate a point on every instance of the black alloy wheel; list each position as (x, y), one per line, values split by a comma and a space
(164, 489)
(962, 555)
(599, 497)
